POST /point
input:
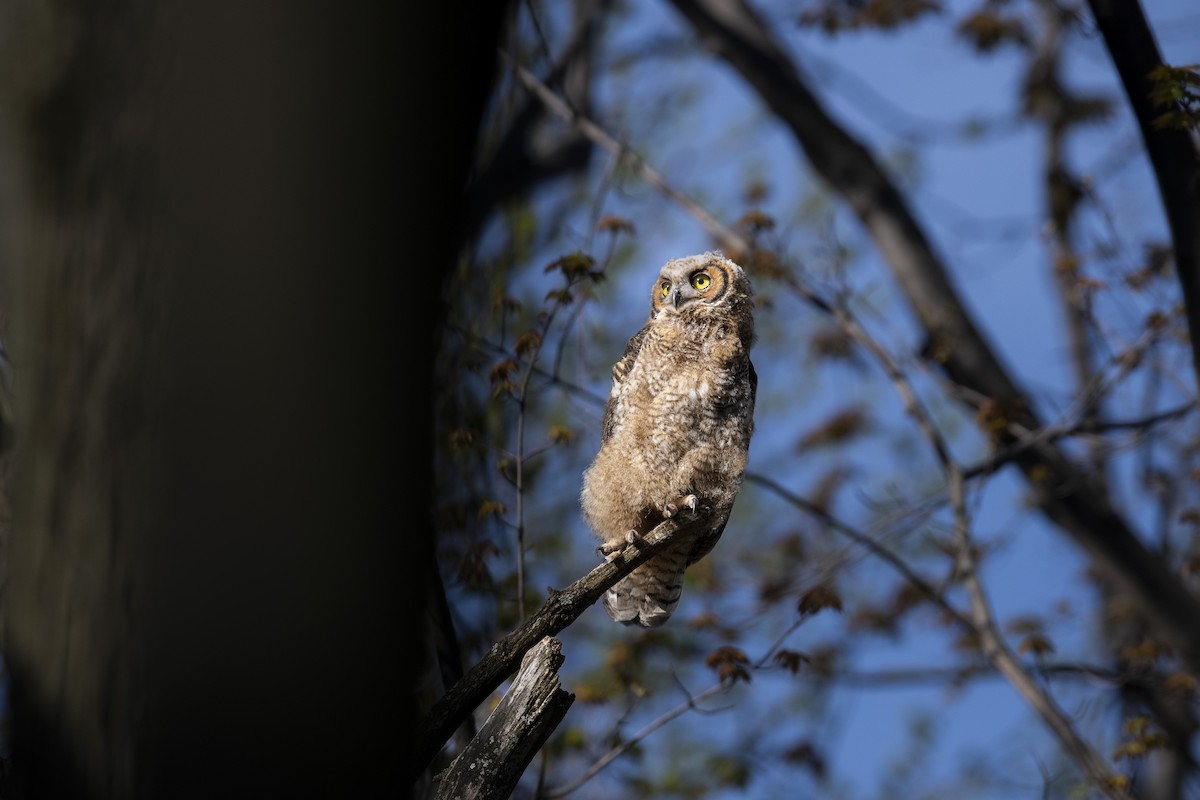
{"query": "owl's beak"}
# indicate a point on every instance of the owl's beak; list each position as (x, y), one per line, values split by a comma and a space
(676, 297)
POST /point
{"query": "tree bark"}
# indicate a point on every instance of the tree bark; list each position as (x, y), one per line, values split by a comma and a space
(560, 610)
(492, 764)
(224, 232)
(82, 288)
(1173, 153)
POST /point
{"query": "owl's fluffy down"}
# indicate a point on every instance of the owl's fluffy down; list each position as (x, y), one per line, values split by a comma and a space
(677, 422)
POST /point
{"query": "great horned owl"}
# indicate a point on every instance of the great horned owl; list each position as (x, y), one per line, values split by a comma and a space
(676, 429)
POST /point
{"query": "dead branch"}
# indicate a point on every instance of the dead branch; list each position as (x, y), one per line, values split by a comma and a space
(492, 764)
(561, 609)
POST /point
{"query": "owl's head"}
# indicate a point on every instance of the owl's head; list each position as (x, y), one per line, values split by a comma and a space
(707, 280)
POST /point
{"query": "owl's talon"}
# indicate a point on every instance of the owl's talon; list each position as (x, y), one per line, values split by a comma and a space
(673, 507)
(611, 550)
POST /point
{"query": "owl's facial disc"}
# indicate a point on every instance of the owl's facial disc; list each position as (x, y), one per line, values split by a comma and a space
(679, 294)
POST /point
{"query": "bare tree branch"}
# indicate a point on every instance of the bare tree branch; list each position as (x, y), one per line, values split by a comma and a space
(939, 676)
(1002, 656)
(1048, 99)
(722, 233)
(523, 157)
(1072, 498)
(628, 744)
(690, 704)
(492, 764)
(981, 622)
(1173, 155)
(561, 609)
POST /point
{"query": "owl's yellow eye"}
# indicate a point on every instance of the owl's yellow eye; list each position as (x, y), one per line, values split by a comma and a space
(664, 289)
(701, 281)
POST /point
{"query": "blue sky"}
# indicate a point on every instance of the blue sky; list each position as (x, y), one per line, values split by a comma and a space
(970, 196)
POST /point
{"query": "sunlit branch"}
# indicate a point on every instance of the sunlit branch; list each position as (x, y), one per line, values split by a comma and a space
(562, 607)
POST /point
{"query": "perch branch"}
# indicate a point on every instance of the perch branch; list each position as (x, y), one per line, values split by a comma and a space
(489, 767)
(561, 609)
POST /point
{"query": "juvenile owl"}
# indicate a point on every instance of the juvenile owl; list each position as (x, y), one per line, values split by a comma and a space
(676, 429)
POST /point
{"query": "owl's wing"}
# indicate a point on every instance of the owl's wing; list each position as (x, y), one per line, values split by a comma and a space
(619, 371)
(707, 539)
(753, 383)
(744, 369)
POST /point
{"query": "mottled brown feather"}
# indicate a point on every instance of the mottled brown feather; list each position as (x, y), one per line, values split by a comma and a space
(677, 422)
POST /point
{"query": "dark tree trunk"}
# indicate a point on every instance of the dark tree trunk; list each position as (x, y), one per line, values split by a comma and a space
(224, 229)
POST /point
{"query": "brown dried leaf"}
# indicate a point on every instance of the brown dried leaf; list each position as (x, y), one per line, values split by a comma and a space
(1134, 726)
(492, 508)
(838, 15)
(572, 265)
(502, 302)
(1037, 644)
(472, 568)
(841, 427)
(729, 663)
(1129, 750)
(528, 342)
(791, 660)
(755, 221)
(560, 434)
(988, 31)
(1145, 652)
(831, 344)
(1027, 624)
(613, 224)
(501, 371)
(805, 754)
(818, 598)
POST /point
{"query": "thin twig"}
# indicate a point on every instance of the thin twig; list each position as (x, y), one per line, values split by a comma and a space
(722, 233)
(691, 704)
(994, 647)
(625, 746)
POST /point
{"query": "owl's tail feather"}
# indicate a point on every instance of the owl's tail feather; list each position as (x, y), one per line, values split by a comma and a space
(648, 595)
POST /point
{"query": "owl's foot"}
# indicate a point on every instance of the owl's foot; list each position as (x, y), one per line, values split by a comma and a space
(611, 550)
(689, 501)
